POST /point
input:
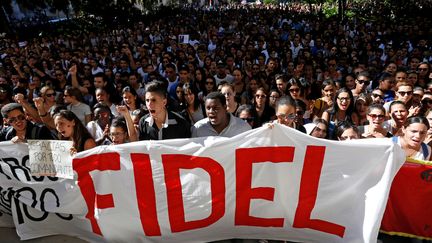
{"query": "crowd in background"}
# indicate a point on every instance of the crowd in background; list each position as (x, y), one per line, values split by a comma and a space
(222, 72)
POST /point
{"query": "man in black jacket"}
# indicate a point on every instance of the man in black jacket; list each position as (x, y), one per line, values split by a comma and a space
(161, 123)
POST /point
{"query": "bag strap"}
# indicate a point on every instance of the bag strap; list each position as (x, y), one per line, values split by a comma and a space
(425, 150)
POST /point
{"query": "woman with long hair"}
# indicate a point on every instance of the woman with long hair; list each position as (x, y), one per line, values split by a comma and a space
(75, 103)
(209, 86)
(341, 110)
(328, 90)
(131, 99)
(69, 127)
(361, 108)
(265, 112)
(194, 110)
(228, 91)
(375, 129)
(412, 139)
(398, 114)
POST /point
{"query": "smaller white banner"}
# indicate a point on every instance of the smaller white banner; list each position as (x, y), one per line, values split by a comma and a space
(50, 158)
(184, 39)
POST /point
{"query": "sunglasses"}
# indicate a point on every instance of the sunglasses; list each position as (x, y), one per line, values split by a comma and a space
(403, 93)
(377, 95)
(286, 117)
(344, 98)
(374, 116)
(360, 81)
(50, 94)
(13, 120)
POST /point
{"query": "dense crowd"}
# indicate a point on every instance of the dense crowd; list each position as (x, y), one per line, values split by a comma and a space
(219, 73)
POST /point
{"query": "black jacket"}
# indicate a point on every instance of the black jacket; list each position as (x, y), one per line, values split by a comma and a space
(33, 131)
(177, 127)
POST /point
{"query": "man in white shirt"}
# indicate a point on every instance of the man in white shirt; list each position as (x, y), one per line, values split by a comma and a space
(219, 122)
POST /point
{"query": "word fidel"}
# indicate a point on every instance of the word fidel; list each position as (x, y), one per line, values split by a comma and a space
(173, 163)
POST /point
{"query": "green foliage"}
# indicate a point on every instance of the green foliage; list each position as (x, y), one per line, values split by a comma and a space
(329, 10)
(270, 1)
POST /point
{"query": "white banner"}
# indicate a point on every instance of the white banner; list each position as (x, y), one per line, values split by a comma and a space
(263, 184)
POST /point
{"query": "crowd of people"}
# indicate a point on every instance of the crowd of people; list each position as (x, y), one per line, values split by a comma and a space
(200, 73)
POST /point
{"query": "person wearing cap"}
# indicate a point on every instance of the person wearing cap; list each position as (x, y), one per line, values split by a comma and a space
(317, 128)
(221, 74)
(18, 128)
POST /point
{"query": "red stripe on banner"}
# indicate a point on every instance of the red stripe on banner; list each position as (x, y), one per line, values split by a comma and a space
(409, 209)
(104, 201)
(146, 197)
(172, 164)
(83, 167)
(245, 158)
(311, 173)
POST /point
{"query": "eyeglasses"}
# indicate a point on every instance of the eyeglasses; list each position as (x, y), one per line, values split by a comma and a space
(344, 98)
(50, 94)
(291, 116)
(248, 119)
(296, 90)
(403, 93)
(374, 116)
(360, 81)
(260, 96)
(377, 95)
(13, 120)
(117, 134)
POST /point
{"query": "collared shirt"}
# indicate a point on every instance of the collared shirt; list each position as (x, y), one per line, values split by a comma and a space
(175, 126)
(203, 128)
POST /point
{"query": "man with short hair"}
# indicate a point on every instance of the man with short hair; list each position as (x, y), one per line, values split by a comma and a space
(219, 122)
(20, 129)
(386, 84)
(161, 123)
